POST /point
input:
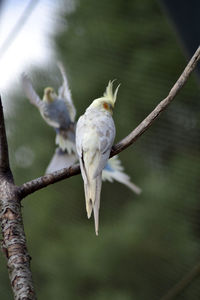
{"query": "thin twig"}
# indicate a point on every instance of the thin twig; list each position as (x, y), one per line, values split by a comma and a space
(41, 182)
(178, 288)
(147, 122)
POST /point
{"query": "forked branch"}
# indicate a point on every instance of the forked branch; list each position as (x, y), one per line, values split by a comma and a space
(13, 237)
(14, 241)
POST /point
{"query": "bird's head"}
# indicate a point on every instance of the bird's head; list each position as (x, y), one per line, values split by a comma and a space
(49, 94)
(107, 102)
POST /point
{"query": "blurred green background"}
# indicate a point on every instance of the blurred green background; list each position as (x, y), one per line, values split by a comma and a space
(146, 243)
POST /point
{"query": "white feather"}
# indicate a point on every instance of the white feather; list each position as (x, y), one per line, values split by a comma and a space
(114, 171)
(65, 143)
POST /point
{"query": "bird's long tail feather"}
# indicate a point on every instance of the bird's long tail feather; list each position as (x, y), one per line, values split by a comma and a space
(61, 159)
(92, 197)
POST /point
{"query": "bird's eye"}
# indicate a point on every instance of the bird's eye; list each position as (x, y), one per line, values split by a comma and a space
(110, 107)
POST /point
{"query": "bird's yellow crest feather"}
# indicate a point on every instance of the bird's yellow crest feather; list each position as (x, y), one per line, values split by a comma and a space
(109, 95)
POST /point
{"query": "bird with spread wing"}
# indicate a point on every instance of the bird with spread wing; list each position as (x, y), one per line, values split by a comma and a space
(56, 109)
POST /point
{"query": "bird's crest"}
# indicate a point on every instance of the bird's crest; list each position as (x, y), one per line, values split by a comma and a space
(109, 95)
(108, 98)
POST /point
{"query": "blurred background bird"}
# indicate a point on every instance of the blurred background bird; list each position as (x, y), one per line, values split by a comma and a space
(59, 112)
(56, 109)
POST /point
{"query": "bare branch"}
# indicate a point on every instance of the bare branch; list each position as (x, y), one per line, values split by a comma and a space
(147, 122)
(4, 158)
(39, 183)
(178, 288)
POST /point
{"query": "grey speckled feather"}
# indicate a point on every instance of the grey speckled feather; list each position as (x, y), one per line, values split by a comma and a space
(56, 112)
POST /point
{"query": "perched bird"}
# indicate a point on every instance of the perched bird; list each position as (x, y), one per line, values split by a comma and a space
(95, 133)
(57, 110)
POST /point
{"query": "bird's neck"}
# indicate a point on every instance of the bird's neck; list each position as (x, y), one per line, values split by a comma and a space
(48, 98)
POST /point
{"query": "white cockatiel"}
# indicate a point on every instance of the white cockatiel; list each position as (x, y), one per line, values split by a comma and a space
(95, 133)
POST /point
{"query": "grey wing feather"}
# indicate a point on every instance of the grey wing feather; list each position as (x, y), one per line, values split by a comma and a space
(57, 112)
(105, 145)
(65, 93)
(80, 128)
(30, 92)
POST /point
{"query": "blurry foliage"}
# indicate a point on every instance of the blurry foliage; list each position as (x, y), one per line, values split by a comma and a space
(146, 243)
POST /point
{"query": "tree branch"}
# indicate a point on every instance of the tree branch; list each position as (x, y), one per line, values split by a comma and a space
(178, 288)
(147, 122)
(4, 158)
(14, 240)
(41, 182)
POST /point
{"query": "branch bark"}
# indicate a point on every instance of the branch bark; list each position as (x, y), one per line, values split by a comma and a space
(41, 182)
(14, 240)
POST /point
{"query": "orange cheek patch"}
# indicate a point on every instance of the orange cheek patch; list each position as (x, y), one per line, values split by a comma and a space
(105, 105)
